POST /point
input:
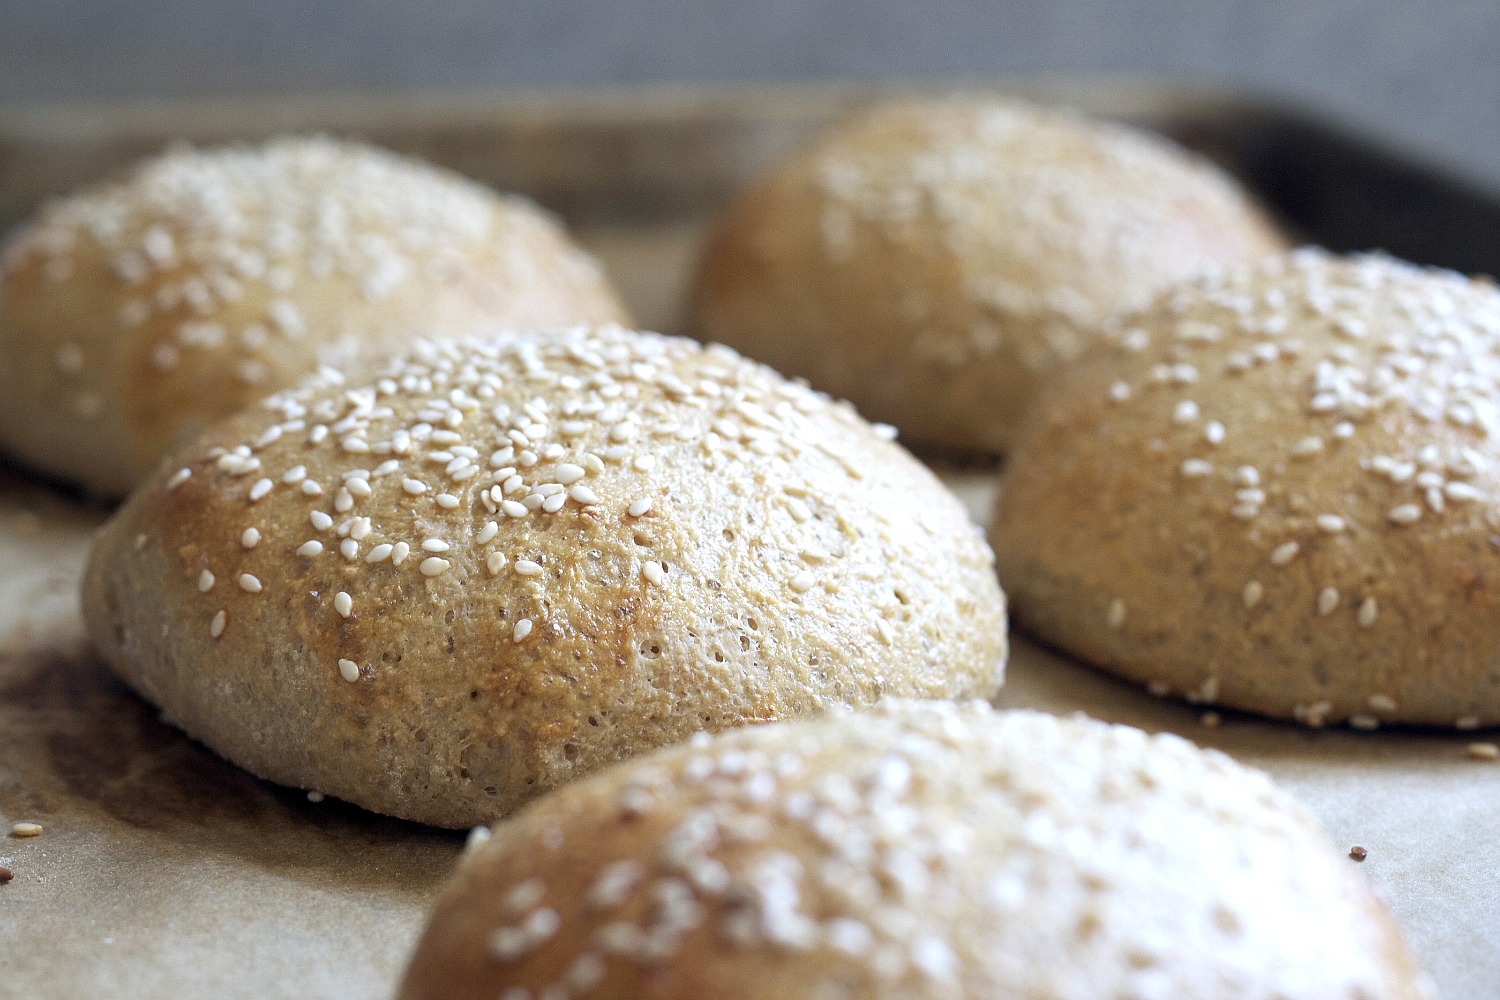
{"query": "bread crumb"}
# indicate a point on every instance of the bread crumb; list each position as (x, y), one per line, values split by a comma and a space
(1358, 853)
(6, 875)
(1210, 720)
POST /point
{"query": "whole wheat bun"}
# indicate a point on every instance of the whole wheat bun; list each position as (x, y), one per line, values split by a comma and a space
(510, 561)
(1277, 490)
(934, 260)
(137, 312)
(922, 850)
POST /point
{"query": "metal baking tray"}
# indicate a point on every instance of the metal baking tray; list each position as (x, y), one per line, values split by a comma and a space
(163, 870)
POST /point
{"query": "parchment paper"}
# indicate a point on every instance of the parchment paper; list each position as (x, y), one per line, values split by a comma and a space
(164, 871)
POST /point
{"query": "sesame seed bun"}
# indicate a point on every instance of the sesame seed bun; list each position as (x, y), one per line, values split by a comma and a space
(510, 561)
(139, 311)
(934, 260)
(1277, 491)
(921, 850)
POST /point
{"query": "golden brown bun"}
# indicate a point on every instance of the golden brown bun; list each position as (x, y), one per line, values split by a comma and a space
(922, 850)
(137, 312)
(933, 260)
(791, 560)
(1277, 491)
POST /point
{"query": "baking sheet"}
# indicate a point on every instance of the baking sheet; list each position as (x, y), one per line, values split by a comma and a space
(164, 871)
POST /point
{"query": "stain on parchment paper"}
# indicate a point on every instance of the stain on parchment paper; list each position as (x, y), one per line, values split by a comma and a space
(76, 741)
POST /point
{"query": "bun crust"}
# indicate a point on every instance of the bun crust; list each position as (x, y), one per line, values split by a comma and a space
(922, 850)
(510, 561)
(1277, 491)
(934, 261)
(136, 313)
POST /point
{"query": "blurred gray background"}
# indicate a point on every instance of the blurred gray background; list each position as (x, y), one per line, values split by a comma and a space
(1424, 73)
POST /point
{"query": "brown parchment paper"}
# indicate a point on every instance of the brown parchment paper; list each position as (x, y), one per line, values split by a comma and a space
(164, 871)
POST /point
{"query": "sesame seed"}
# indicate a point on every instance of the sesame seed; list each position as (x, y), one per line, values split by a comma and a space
(1116, 614)
(311, 487)
(434, 566)
(26, 829)
(1328, 600)
(399, 552)
(216, 626)
(582, 494)
(310, 548)
(260, 489)
(1466, 722)
(568, 474)
(414, 486)
(295, 474)
(205, 582)
(343, 604)
(70, 359)
(523, 629)
(488, 532)
(446, 500)
(1284, 553)
(1381, 703)
(525, 567)
(249, 583)
(1196, 468)
(1407, 513)
(349, 670)
(320, 520)
(803, 582)
(1331, 523)
(1483, 751)
(1461, 492)
(495, 562)
(652, 571)
(512, 508)
(1368, 723)
(250, 538)
(644, 463)
(639, 507)
(1368, 609)
(349, 548)
(1213, 432)
(379, 553)
(800, 511)
(434, 545)
(178, 478)
(1252, 593)
(1119, 392)
(1185, 412)
(1307, 446)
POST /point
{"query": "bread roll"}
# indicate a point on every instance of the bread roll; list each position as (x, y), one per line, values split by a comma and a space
(1278, 491)
(137, 312)
(923, 850)
(934, 260)
(510, 561)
